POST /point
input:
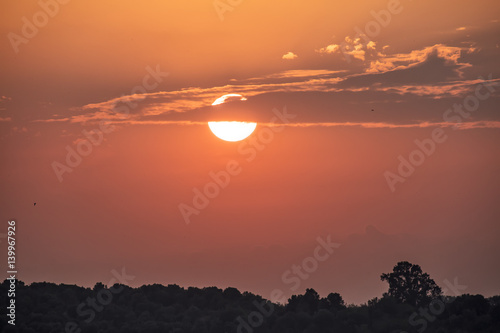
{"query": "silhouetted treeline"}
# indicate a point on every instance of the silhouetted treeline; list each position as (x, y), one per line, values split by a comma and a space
(47, 307)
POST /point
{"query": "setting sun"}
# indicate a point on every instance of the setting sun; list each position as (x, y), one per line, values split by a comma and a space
(232, 130)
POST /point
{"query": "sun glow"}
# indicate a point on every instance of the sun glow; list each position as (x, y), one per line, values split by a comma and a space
(232, 130)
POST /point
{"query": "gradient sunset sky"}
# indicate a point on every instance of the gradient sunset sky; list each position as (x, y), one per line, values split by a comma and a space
(360, 81)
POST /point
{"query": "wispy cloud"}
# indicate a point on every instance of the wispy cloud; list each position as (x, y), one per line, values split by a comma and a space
(295, 74)
(438, 91)
(463, 126)
(433, 72)
(451, 54)
(460, 126)
(54, 120)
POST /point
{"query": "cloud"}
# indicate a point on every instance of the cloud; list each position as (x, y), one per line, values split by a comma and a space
(425, 124)
(160, 122)
(377, 60)
(189, 99)
(374, 125)
(432, 71)
(332, 48)
(5, 119)
(290, 56)
(54, 120)
(293, 75)
(392, 83)
(439, 90)
(450, 54)
(358, 48)
(194, 104)
(228, 98)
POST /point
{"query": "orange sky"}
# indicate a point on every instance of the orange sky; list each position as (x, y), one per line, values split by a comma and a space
(151, 72)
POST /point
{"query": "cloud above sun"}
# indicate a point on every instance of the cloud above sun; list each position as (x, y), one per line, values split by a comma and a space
(451, 54)
(289, 56)
(377, 77)
(351, 47)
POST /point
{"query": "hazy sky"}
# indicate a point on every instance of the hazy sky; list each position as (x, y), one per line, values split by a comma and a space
(389, 143)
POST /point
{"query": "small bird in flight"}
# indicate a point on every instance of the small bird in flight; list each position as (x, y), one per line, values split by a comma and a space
(34, 204)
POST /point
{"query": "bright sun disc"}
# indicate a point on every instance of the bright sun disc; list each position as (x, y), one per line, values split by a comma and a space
(232, 130)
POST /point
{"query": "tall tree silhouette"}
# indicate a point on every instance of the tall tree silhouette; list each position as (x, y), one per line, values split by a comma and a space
(408, 284)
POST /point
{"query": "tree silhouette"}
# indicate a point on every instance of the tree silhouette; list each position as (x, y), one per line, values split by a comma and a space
(46, 307)
(408, 284)
(333, 302)
(308, 303)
